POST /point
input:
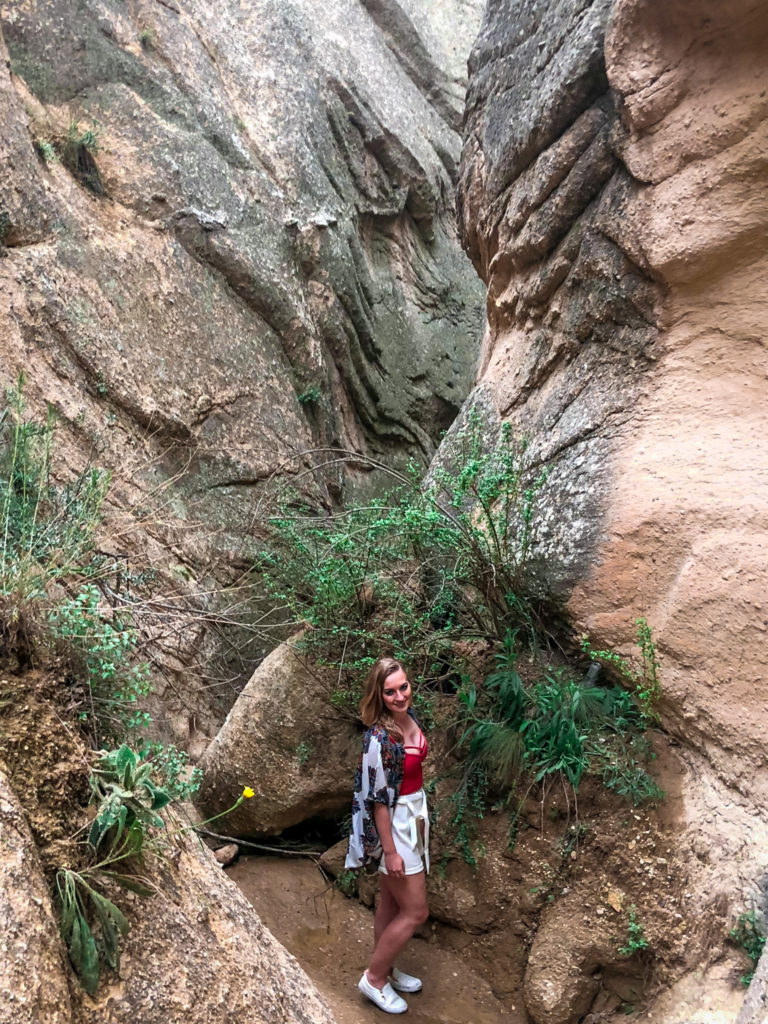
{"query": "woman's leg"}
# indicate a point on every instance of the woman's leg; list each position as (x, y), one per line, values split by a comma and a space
(386, 911)
(410, 896)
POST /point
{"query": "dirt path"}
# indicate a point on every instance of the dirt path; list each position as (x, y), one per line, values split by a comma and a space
(330, 936)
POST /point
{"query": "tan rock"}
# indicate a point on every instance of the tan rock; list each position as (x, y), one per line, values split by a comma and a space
(33, 975)
(198, 953)
(225, 855)
(284, 740)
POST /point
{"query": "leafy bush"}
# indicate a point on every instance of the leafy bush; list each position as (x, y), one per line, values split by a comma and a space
(749, 936)
(105, 651)
(410, 572)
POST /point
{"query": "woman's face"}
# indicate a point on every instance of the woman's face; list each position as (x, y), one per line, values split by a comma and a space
(397, 692)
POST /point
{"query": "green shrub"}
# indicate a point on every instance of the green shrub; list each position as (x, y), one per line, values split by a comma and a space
(104, 652)
(748, 935)
(46, 528)
(636, 941)
(413, 571)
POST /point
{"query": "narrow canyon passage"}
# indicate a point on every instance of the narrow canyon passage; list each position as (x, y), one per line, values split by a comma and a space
(330, 936)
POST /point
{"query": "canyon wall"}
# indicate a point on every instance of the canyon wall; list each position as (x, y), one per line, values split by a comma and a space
(613, 198)
(228, 238)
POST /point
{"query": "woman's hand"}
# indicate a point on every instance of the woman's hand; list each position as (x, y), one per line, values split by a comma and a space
(393, 862)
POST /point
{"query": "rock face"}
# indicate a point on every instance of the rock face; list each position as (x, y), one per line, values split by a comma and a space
(228, 237)
(202, 955)
(284, 740)
(32, 958)
(616, 224)
(613, 198)
(196, 952)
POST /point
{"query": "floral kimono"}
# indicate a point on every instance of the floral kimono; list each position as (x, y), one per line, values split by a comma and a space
(377, 781)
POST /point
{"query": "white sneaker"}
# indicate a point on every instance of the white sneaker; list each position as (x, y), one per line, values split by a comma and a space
(404, 982)
(385, 998)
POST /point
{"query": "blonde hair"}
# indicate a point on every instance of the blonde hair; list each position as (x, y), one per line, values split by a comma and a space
(372, 708)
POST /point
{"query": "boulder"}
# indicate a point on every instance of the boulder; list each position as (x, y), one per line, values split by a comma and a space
(33, 969)
(198, 953)
(285, 741)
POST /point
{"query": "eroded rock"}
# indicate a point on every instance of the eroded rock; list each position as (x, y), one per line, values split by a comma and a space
(33, 974)
(284, 739)
(198, 952)
(271, 265)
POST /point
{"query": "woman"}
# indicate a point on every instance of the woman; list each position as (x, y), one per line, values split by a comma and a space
(390, 827)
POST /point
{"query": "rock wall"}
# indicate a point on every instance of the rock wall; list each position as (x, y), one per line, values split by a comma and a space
(613, 198)
(196, 951)
(228, 237)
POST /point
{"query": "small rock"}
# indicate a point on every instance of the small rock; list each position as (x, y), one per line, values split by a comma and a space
(226, 854)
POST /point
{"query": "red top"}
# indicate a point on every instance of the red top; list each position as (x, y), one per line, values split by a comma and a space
(412, 776)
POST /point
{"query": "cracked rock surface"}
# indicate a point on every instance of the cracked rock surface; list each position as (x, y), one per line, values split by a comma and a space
(227, 237)
(613, 198)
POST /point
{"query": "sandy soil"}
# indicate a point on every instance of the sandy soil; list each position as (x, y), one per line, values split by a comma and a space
(331, 935)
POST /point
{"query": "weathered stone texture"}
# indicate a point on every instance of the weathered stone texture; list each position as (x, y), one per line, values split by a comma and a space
(613, 198)
(270, 265)
(277, 739)
(34, 986)
(199, 953)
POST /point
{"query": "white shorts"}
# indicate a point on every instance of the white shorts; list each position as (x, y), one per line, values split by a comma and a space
(409, 812)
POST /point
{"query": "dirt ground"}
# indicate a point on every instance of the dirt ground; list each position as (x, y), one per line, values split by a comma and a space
(331, 937)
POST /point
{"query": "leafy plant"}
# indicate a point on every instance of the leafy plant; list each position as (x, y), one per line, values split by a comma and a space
(80, 901)
(303, 752)
(127, 799)
(749, 936)
(171, 766)
(77, 154)
(411, 572)
(644, 680)
(309, 395)
(46, 151)
(46, 529)
(636, 940)
(105, 650)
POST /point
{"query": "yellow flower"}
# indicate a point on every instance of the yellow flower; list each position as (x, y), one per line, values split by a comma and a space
(248, 793)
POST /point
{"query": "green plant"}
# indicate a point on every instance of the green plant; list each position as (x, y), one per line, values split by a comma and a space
(645, 679)
(636, 940)
(80, 900)
(309, 395)
(46, 528)
(147, 39)
(171, 766)
(78, 152)
(303, 752)
(346, 882)
(46, 151)
(748, 935)
(104, 654)
(127, 799)
(410, 572)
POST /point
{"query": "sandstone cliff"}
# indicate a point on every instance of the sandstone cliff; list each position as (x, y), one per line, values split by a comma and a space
(228, 237)
(613, 199)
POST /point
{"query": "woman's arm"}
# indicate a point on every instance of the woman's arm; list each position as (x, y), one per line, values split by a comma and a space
(393, 862)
